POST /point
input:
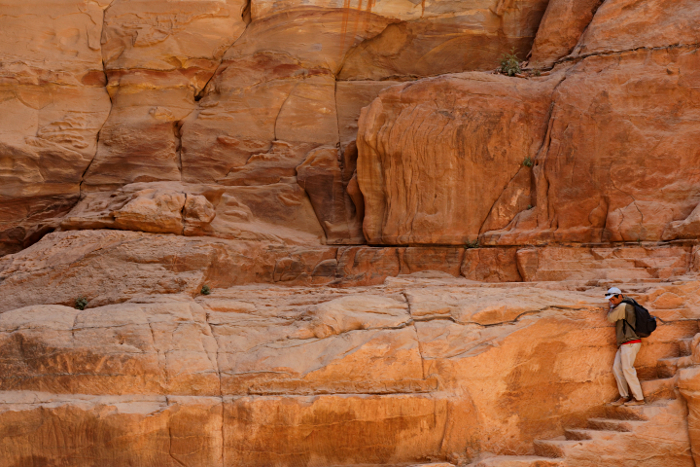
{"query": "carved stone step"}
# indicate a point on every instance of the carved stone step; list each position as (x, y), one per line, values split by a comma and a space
(640, 412)
(663, 388)
(611, 424)
(555, 447)
(577, 434)
(580, 434)
(685, 346)
(667, 367)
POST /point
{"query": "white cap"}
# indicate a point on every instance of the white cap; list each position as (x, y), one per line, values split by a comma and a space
(612, 291)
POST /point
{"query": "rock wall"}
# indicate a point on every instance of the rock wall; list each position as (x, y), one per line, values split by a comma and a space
(222, 93)
(254, 233)
(414, 364)
(436, 156)
(610, 142)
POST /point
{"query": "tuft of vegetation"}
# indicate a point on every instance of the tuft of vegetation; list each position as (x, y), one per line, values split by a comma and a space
(206, 290)
(528, 162)
(529, 206)
(474, 244)
(81, 302)
(510, 63)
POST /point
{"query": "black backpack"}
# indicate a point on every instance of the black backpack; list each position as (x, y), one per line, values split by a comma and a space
(646, 324)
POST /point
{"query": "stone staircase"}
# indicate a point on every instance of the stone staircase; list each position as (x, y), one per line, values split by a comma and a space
(647, 435)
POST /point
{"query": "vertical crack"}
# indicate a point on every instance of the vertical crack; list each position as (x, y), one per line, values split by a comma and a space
(111, 107)
(274, 128)
(75, 323)
(170, 436)
(415, 330)
(215, 364)
(161, 361)
(177, 126)
(247, 19)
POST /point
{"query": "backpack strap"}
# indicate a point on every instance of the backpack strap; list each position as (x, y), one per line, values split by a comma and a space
(632, 302)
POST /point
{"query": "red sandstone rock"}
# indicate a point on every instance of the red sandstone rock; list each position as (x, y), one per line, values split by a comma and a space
(52, 105)
(350, 97)
(273, 212)
(417, 366)
(121, 265)
(687, 228)
(158, 56)
(316, 355)
(629, 178)
(560, 30)
(491, 265)
(320, 175)
(436, 43)
(621, 25)
(140, 429)
(434, 156)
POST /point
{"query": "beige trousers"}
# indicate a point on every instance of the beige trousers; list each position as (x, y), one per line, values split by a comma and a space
(625, 374)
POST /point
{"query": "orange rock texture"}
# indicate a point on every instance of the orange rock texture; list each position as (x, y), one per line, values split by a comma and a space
(261, 233)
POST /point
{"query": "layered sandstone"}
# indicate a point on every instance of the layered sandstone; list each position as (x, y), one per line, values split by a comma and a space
(618, 180)
(610, 141)
(330, 233)
(435, 156)
(158, 56)
(53, 103)
(219, 92)
(560, 30)
(413, 362)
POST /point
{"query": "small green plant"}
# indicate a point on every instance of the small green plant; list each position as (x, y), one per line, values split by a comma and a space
(81, 302)
(529, 206)
(528, 162)
(510, 63)
(206, 290)
(474, 244)
(538, 72)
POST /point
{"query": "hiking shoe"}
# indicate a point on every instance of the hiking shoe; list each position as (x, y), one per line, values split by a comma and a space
(633, 402)
(619, 402)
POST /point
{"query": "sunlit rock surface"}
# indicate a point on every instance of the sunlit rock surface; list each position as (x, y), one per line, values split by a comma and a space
(333, 234)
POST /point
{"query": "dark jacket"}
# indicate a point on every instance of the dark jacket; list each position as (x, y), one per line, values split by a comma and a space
(624, 330)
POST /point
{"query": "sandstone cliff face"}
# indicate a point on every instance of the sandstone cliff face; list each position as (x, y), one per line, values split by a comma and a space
(435, 156)
(53, 103)
(615, 163)
(413, 362)
(406, 251)
(216, 92)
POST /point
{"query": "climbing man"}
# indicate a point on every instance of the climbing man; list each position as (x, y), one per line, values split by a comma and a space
(623, 315)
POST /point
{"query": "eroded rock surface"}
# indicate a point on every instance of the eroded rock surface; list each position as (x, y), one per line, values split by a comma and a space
(560, 30)
(53, 103)
(204, 175)
(616, 181)
(413, 361)
(435, 156)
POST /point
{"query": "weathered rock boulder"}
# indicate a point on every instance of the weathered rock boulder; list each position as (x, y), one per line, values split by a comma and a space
(629, 178)
(436, 155)
(271, 213)
(446, 37)
(560, 30)
(626, 25)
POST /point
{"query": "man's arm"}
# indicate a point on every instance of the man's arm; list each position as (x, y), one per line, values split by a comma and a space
(617, 313)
